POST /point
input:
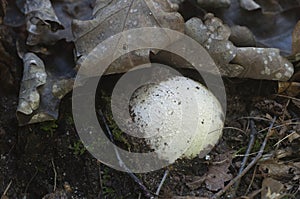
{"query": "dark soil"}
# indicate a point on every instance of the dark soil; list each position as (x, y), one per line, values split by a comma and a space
(29, 155)
(48, 159)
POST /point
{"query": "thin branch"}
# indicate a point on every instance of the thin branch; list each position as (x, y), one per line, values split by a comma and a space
(162, 182)
(31, 179)
(121, 163)
(252, 180)
(245, 159)
(251, 164)
(6, 189)
(55, 175)
(100, 181)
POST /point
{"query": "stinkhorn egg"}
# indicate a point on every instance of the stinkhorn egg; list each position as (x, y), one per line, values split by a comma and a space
(178, 118)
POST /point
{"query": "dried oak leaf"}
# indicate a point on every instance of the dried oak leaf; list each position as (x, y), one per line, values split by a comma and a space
(270, 30)
(214, 3)
(271, 189)
(196, 182)
(40, 92)
(249, 5)
(241, 36)
(42, 23)
(280, 170)
(277, 6)
(290, 88)
(34, 76)
(114, 16)
(213, 35)
(216, 176)
(67, 11)
(263, 63)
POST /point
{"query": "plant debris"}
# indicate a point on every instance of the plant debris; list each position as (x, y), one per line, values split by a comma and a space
(254, 44)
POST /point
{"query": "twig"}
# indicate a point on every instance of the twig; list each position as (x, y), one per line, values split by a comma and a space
(234, 128)
(100, 181)
(251, 164)
(245, 159)
(252, 195)
(289, 97)
(55, 175)
(252, 180)
(162, 182)
(121, 163)
(31, 179)
(6, 189)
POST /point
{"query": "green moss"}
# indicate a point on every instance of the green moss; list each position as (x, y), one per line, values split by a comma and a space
(78, 148)
(117, 133)
(49, 127)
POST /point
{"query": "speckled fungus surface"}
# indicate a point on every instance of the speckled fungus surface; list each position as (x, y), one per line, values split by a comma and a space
(177, 117)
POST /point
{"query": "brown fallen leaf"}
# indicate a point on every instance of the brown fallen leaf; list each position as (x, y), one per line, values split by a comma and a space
(218, 174)
(280, 170)
(214, 3)
(196, 182)
(290, 88)
(41, 91)
(241, 36)
(271, 30)
(67, 11)
(276, 6)
(249, 5)
(263, 63)
(271, 189)
(34, 76)
(114, 16)
(42, 23)
(213, 35)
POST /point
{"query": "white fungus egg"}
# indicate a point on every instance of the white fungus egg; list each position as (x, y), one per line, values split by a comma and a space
(177, 117)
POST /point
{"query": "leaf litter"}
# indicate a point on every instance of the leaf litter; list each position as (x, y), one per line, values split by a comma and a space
(254, 44)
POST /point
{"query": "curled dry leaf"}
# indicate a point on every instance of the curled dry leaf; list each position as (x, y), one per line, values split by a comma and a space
(280, 170)
(277, 6)
(42, 23)
(67, 11)
(263, 63)
(216, 176)
(271, 189)
(34, 75)
(256, 63)
(270, 30)
(114, 16)
(290, 88)
(241, 36)
(214, 3)
(176, 3)
(249, 5)
(40, 92)
(213, 35)
(218, 173)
